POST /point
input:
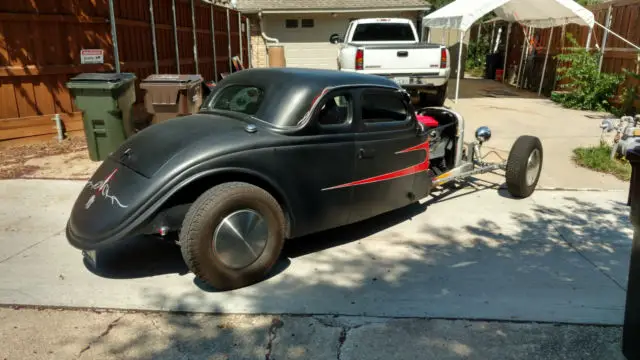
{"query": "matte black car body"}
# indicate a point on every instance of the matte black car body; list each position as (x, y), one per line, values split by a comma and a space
(322, 176)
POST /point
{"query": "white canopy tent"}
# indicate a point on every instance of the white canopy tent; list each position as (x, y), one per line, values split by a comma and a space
(461, 14)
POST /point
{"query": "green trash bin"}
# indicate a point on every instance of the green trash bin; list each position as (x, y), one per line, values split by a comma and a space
(106, 101)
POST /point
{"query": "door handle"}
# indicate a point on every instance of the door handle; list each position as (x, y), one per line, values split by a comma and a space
(403, 53)
(365, 154)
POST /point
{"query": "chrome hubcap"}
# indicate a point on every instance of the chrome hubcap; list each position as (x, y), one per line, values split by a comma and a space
(533, 166)
(240, 238)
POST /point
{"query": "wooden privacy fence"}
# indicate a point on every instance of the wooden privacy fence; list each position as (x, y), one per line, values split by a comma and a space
(41, 44)
(624, 17)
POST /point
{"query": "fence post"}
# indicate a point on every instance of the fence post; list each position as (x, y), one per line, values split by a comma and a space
(546, 58)
(213, 43)
(229, 41)
(114, 36)
(175, 35)
(153, 37)
(605, 36)
(525, 40)
(240, 37)
(195, 38)
(249, 48)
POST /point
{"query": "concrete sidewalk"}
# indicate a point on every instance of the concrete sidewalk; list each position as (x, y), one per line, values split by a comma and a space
(559, 256)
(51, 334)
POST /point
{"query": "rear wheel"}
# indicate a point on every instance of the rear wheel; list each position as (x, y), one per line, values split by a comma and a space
(441, 95)
(232, 235)
(524, 166)
(437, 99)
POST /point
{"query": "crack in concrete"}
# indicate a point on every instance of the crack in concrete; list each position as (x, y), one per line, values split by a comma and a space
(102, 335)
(583, 256)
(341, 340)
(30, 247)
(276, 324)
(336, 322)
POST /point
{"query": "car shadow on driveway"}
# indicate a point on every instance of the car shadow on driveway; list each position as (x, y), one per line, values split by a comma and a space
(148, 256)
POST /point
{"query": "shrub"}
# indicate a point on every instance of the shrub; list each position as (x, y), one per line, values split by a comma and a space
(588, 88)
(630, 94)
(598, 158)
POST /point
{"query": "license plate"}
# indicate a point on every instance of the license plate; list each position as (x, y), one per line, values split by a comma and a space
(402, 80)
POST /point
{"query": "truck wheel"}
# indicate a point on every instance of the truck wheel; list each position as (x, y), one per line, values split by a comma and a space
(524, 166)
(441, 95)
(232, 235)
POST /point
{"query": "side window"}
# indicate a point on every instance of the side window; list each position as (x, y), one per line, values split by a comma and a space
(336, 110)
(382, 107)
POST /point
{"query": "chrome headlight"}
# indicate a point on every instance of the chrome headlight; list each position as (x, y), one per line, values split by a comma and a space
(483, 134)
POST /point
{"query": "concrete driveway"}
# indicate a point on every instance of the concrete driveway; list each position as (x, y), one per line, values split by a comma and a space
(510, 113)
(559, 256)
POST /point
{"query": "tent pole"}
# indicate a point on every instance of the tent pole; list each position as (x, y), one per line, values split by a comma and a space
(506, 53)
(546, 58)
(589, 38)
(459, 65)
(493, 33)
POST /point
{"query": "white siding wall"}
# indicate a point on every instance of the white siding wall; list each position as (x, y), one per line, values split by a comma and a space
(310, 47)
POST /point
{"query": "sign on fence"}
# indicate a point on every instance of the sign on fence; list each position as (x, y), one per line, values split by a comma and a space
(92, 56)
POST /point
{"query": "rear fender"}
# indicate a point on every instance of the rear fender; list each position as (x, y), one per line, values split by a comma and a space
(190, 189)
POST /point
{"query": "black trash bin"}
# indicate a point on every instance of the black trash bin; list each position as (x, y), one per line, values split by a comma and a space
(494, 62)
(631, 329)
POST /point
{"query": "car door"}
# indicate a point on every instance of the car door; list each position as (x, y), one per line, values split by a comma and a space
(389, 153)
(324, 160)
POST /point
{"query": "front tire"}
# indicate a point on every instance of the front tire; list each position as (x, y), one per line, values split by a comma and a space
(232, 235)
(524, 166)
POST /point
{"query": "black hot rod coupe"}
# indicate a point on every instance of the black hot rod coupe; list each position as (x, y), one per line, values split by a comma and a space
(280, 153)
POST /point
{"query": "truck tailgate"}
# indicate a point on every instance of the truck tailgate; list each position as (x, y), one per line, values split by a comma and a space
(396, 59)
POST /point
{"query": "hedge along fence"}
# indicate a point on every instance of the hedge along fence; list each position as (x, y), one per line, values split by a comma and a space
(41, 44)
(624, 16)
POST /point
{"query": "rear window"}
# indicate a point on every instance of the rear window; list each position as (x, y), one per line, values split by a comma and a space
(383, 32)
(239, 98)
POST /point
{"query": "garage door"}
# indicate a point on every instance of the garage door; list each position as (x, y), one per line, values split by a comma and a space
(312, 55)
(306, 38)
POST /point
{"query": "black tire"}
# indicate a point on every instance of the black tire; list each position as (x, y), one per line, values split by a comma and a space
(197, 233)
(441, 95)
(517, 165)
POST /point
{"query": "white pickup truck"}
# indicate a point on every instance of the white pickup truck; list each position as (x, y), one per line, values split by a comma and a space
(391, 47)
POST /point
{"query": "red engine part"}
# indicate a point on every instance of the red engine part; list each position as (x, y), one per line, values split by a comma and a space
(428, 121)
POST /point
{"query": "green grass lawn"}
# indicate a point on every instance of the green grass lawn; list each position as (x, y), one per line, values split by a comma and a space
(598, 158)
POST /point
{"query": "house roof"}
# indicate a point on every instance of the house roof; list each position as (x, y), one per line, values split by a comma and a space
(330, 5)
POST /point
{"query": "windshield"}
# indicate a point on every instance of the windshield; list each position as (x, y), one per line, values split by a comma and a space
(383, 32)
(238, 98)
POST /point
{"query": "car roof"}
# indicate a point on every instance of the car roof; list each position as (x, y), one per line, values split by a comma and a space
(290, 92)
(313, 77)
